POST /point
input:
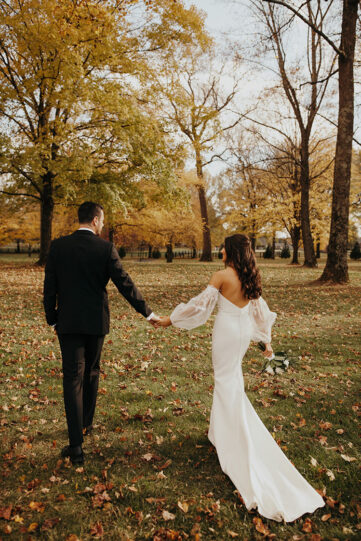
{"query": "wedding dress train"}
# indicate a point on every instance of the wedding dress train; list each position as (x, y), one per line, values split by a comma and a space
(247, 452)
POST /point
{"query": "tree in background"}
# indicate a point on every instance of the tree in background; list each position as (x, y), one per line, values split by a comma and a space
(68, 104)
(304, 90)
(194, 101)
(163, 222)
(336, 269)
(242, 197)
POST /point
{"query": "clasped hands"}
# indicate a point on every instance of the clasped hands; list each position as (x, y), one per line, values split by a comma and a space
(160, 321)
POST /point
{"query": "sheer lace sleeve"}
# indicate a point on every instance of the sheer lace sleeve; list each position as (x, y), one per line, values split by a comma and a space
(262, 320)
(196, 311)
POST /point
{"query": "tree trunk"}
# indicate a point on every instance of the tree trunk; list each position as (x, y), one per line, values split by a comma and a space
(318, 249)
(46, 218)
(150, 249)
(336, 269)
(169, 252)
(273, 247)
(207, 244)
(295, 237)
(309, 252)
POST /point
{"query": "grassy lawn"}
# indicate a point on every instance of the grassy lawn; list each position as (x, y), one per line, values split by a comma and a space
(150, 471)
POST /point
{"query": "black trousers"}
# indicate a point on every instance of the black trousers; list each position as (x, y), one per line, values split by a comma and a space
(81, 367)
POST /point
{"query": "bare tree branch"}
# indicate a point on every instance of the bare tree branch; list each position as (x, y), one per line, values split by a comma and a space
(311, 25)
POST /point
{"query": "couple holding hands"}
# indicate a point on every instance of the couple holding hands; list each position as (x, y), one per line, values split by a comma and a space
(78, 269)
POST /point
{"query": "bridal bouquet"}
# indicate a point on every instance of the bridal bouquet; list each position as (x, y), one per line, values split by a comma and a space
(277, 364)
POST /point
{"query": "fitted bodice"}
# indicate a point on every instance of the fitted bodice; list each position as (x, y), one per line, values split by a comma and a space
(228, 307)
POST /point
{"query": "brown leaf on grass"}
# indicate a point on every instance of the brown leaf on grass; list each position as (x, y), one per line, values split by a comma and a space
(49, 523)
(302, 422)
(166, 464)
(322, 440)
(37, 506)
(307, 526)
(183, 506)
(72, 537)
(165, 533)
(325, 517)
(196, 532)
(232, 534)
(331, 502)
(33, 527)
(166, 515)
(97, 530)
(155, 500)
(61, 498)
(315, 537)
(260, 527)
(348, 458)
(325, 425)
(98, 488)
(7, 529)
(5, 512)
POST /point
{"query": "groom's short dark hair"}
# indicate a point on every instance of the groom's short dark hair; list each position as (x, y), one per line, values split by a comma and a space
(87, 211)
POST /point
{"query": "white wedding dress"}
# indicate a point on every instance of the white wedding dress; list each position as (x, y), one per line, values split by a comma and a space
(247, 452)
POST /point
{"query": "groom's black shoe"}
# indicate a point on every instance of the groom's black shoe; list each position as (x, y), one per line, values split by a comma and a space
(75, 454)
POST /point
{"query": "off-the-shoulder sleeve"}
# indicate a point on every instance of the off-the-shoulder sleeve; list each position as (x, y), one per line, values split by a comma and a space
(262, 320)
(196, 311)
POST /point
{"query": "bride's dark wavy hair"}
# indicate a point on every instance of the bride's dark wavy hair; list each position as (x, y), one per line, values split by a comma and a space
(240, 256)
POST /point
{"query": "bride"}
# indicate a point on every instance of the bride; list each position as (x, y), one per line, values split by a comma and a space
(247, 452)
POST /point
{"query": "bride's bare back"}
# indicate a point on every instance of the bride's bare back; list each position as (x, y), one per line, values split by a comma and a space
(229, 285)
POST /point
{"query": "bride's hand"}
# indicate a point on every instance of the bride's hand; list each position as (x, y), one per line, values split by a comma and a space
(268, 352)
(164, 321)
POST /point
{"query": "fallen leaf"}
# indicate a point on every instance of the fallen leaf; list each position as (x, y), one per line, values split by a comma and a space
(232, 534)
(260, 527)
(183, 506)
(167, 515)
(33, 527)
(49, 523)
(348, 458)
(5, 512)
(37, 506)
(325, 517)
(97, 530)
(325, 425)
(307, 526)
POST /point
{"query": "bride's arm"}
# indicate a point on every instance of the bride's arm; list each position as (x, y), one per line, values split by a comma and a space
(262, 320)
(196, 311)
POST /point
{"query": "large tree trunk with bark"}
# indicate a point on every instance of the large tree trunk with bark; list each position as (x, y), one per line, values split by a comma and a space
(336, 269)
(46, 218)
(207, 244)
(309, 252)
(295, 238)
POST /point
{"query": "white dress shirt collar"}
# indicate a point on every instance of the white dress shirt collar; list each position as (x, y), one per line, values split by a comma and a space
(86, 229)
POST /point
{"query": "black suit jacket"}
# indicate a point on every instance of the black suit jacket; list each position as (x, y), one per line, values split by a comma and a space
(77, 271)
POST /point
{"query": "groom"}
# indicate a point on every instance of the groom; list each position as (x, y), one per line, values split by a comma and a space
(77, 271)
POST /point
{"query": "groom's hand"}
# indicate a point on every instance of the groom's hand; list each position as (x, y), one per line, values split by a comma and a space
(154, 320)
(165, 321)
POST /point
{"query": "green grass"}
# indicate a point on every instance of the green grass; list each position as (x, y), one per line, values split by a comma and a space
(150, 449)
